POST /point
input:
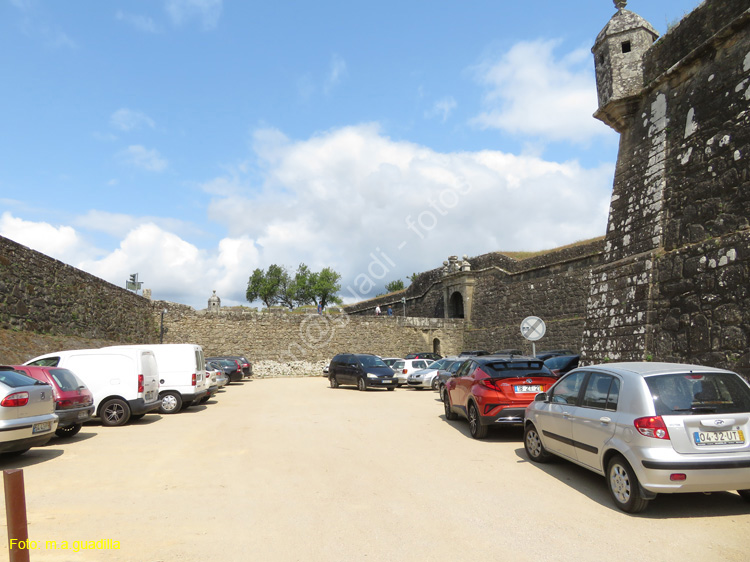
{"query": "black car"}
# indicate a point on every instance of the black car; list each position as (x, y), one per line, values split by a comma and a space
(507, 352)
(424, 355)
(361, 369)
(230, 367)
(544, 355)
(473, 353)
(561, 364)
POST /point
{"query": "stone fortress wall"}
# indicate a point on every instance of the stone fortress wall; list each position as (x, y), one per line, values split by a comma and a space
(668, 282)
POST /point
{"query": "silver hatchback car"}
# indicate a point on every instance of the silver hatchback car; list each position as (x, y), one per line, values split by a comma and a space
(649, 428)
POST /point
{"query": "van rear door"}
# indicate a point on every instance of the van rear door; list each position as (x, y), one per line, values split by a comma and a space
(150, 372)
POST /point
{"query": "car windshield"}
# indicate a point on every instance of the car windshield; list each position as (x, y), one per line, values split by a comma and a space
(440, 364)
(508, 369)
(693, 393)
(371, 361)
(65, 379)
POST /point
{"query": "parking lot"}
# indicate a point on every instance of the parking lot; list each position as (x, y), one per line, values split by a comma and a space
(289, 469)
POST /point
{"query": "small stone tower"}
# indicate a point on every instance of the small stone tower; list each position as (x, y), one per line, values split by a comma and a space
(214, 303)
(618, 60)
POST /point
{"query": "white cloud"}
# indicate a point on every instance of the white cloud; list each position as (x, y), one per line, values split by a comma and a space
(119, 224)
(336, 72)
(141, 23)
(126, 119)
(60, 242)
(141, 157)
(442, 108)
(207, 12)
(344, 198)
(531, 91)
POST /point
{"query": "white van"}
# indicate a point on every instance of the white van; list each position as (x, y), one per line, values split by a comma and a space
(182, 375)
(124, 381)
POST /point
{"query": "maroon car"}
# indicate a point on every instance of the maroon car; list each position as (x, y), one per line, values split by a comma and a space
(74, 403)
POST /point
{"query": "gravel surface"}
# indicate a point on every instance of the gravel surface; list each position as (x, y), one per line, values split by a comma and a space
(290, 470)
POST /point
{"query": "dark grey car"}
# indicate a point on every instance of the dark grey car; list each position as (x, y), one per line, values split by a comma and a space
(361, 369)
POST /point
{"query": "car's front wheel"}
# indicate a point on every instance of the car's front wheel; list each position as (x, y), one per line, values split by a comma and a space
(434, 384)
(533, 445)
(476, 429)
(361, 384)
(115, 412)
(623, 486)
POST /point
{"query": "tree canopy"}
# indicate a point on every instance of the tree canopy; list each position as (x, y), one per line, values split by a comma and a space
(277, 286)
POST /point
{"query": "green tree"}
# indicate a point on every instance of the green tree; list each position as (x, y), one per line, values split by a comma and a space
(302, 286)
(265, 285)
(413, 277)
(394, 286)
(325, 285)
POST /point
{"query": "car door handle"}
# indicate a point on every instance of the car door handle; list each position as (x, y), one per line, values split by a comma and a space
(605, 420)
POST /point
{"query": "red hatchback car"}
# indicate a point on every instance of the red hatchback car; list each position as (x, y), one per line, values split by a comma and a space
(74, 403)
(494, 390)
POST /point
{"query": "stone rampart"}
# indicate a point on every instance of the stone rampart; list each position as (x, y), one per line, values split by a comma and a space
(41, 294)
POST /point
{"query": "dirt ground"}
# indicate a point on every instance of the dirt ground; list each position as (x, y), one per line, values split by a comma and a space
(291, 470)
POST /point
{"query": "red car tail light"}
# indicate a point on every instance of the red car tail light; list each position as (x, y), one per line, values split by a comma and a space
(652, 426)
(16, 399)
(406, 371)
(140, 384)
(193, 381)
(493, 384)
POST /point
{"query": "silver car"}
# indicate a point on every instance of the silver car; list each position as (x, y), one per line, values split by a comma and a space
(27, 417)
(649, 428)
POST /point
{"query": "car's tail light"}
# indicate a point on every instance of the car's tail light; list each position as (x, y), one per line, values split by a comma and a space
(140, 384)
(491, 383)
(16, 399)
(678, 477)
(193, 381)
(406, 371)
(652, 426)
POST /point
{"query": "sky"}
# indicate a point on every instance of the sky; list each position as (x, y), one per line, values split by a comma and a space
(193, 141)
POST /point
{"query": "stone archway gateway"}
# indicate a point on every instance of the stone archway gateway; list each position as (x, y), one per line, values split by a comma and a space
(436, 346)
(456, 305)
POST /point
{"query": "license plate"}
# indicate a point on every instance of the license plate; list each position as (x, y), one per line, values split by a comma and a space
(82, 415)
(521, 388)
(733, 437)
(387, 381)
(41, 427)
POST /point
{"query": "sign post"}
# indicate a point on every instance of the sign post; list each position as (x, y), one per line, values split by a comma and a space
(533, 328)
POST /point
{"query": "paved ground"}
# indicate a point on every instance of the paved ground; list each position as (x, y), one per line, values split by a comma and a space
(290, 470)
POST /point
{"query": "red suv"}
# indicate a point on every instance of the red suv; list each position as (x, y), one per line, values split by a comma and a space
(74, 403)
(494, 390)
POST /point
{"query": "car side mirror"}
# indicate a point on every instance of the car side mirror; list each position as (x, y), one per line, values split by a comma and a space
(541, 397)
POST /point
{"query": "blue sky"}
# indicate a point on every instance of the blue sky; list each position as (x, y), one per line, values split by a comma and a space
(192, 141)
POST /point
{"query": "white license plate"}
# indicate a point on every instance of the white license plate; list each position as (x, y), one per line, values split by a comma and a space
(387, 381)
(41, 427)
(521, 388)
(733, 437)
(82, 415)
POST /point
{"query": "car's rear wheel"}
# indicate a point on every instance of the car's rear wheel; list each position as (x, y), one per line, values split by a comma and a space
(361, 384)
(115, 412)
(533, 445)
(171, 402)
(476, 429)
(623, 486)
(69, 431)
(449, 414)
(334, 382)
(744, 494)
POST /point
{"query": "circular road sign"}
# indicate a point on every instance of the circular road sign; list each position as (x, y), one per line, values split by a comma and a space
(533, 328)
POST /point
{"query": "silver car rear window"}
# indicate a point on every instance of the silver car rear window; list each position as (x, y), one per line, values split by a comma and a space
(695, 393)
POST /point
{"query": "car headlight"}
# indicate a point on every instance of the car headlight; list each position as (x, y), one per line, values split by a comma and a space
(371, 376)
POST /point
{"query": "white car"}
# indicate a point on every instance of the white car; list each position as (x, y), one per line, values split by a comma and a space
(428, 378)
(403, 367)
